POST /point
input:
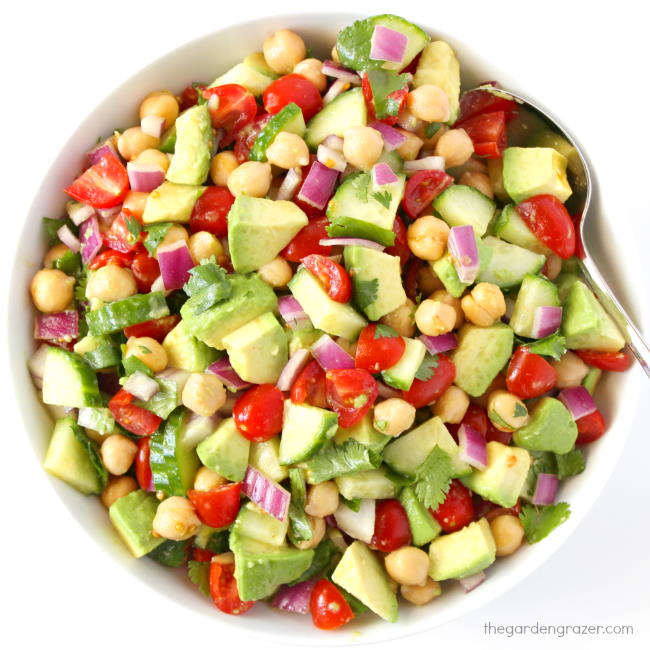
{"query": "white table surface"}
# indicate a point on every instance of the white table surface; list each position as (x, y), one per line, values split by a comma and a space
(60, 58)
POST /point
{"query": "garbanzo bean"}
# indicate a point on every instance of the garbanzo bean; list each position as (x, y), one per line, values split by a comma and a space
(277, 272)
(175, 519)
(506, 411)
(111, 282)
(421, 594)
(455, 146)
(51, 290)
(134, 202)
(283, 50)
(429, 103)
(53, 254)
(311, 69)
(203, 245)
(134, 141)
(484, 305)
(362, 146)
(153, 157)
(393, 416)
(221, 166)
(160, 103)
(402, 319)
(147, 350)
(322, 499)
(452, 405)
(203, 393)
(408, 565)
(251, 178)
(441, 295)
(434, 318)
(317, 525)
(508, 534)
(570, 370)
(206, 479)
(288, 150)
(410, 148)
(117, 453)
(427, 238)
(116, 488)
(479, 181)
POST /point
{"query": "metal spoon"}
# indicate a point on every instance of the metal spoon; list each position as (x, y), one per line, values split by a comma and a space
(540, 125)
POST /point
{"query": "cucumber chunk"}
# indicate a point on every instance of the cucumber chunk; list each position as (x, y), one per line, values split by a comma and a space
(115, 316)
(305, 430)
(462, 205)
(289, 119)
(535, 292)
(510, 227)
(402, 374)
(69, 381)
(347, 110)
(508, 264)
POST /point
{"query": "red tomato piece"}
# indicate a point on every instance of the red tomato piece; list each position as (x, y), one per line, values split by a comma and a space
(401, 247)
(202, 554)
(258, 413)
(398, 97)
(233, 108)
(309, 386)
(332, 275)
(292, 89)
(457, 510)
(111, 257)
(223, 589)
(217, 507)
(615, 361)
(580, 247)
(375, 353)
(142, 467)
(494, 434)
(121, 236)
(475, 417)
(306, 242)
(478, 102)
(104, 185)
(488, 133)
(590, 428)
(190, 96)
(550, 222)
(350, 394)
(422, 188)
(145, 270)
(328, 607)
(134, 419)
(156, 329)
(246, 137)
(211, 211)
(392, 528)
(529, 375)
(411, 278)
(423, 392)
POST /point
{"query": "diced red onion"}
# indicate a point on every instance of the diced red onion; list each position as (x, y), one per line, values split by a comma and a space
(464, 253)
(578, 401)
(440, 343)
(545, 489)
(393, 139)
(382, 174)
(61, 326)
(68, 238)
(330, 355)
(338, 87)
(292, 313)
(153, 125)
(290, 184)
(424, 164)
(351, 241)
(331, 158)
(266, 493)
(36, 363)
(101, 150)
(175, 264)
(227, 374)
(91, 239)
(546, 321)
(296, 363)
(109, 213)
(359, 525)
(318, 186)
(295, 599)
(386, 391)
(334, 142)
(473, 447)
(471, 582)
(333, 69)
(387, 45)
(79, 212)
(141, 386)
(144, 178)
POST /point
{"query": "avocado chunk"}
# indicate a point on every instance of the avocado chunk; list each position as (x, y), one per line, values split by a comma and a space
(364, 433)
(481, 353)
(302, 338)
(253, 73)
(171, 202)
(191, 160)
(508, 264)
(529, 171)
(463, 553)
(504, 476)
(186, 352)
(424, 527)
(133, 515)
(586, 324)
(304, 431)
(68, 380)
(225, 451)
(361, 573)
(258, 229)
(550, 428)
(369, 484)
(265, 456)
(446, 271)
(289, 119)
(255, 524)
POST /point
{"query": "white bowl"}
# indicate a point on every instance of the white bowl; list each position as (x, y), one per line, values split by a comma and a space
(203, 59)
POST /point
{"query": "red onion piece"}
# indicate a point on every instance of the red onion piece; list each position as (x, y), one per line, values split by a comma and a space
(546, 320)
(334, 142)
(338, 87)
(295, 599)
(424, 164)
(471, 582)
(153, 125)
(68, 238)
(330, 355)
(331, 158)
(351, 241)
(393, 139)
(175, 264)
(290, 184)
(578, 401)
(473, 446)
(292, 313)
(359, 525)
(333, 69)
(464, 252)
(101, 150)
(141, 386)
(387, 45)
(144, 178)
(382, 174)
(227, 374)
(318, 186)
(61, 326)
(91, 239)
(441, 343)
(297, 361)
(79, 212)
(266, 493)
(545, 489)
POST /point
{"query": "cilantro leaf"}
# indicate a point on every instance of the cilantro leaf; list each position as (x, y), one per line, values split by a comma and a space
(383, 83)
(205, 275)
(324, 553)
(365, 291)
(540, 521)
(383, 197)
(553, 346)
(199, 574)
(433, 478)
(200, 97)
(52, 225)
(336, 460)
(431, 129)
(498, 420)
(80, 288)
(570, 464)
(427, 367)
(353, 45)
(520, 410)
(134, 228)
(299, 528)
(132, 364)
(398, 479)
(69, 263)
(353, 504)
(155, 234)
(360, 184)
(385, 332)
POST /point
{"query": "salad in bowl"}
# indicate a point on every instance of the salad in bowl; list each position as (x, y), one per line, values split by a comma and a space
(315, 331)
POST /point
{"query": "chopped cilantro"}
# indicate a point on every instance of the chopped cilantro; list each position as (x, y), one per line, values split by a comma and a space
(383, 197)
(380, 425)
(385, 332)
(366, 291)
(433, 478)
(299, 528)
(199, 574)
(134, 228)
(431, 129)
(132, 364)
(570, 464)
(551, 346)
(540, 521)
(205, 275)
(52, 225)
(427, 367)
(155, 234)
(144, 349)
(520, 410)
(69, 263)
(336, 460)
(498, 420)
(383, 84)
(360, 183)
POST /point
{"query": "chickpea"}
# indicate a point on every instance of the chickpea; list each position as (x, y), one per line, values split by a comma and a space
(508, 534)
(116, 488)
(134, 202)
(221, 166)
(452, 405)
(53, 254)
(455, 146)
(421, 594)
(434, 318)
(393, 416)
(277, 272)
(203, 393)
(51, 290)
(408, 566)
(174, 234)
(410, 148)
(203, 245)
(311, 69)
(283, 50)
(506, 411)
(288, 150)
(134, 141)
(118, 453)
(322, 499)
(444, 296)
(429, 103)
(484, 305)
(553, 266)
(427, 238)
(160, 103)
(153, 157)
(402, 319)
(147, 350)
(206, 479)
(479, 181)
(362, 146)
(317, 525)
(495, 172)
(428, 281)
(570, 370)
(111, 282)
(251, 178)
(430, 143)
(175, 519)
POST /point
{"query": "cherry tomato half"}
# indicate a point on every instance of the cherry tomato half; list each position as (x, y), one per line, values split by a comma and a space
(111, 256)
(328, 607)
(156, 329)
(217, 507)
(350, 394)
(223, 589)
(422, 188)
(258, 413)
(292, 89)
(124, 235)
(615, 361)
(478, 102)
(232, 109)
(475, 417)
(423, 392)
(488, 133)
(401, 247)
(332, 275)
(590, 428)
(145, 270)
(104, 185)
(306, 242)
(457, 510)
(134, 419)
(529, 375)
(392, 528)
(378, 352)
(210, 212)
(142, 467)
(309, 386)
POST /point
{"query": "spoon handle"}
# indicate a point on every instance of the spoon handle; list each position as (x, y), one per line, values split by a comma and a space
(630, 332)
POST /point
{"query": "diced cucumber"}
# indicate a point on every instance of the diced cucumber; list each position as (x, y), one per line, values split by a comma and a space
(171, 553)
(363, 432)
(68, 380)
(536, 291)
(133, 515)
(370, 484)
(347, 110)
(402, 374)
(393, 160)
(115, 316)
(304, 431)
(462, 205)
(256, 524)
(265, 456)
(508, 263)
(225, 451)
(99, 351)
(591, 379)
(424, 527)
(510, 227)
(288, 119)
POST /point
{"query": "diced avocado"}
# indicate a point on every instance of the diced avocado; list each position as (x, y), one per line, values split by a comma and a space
(377, 279)
(342, 113)
(335, 318)
(548, 138)
(168, 140)
(424, 527)
(258, 350)
(463, 553)
(550, 428)
(510, 227)
(115, 316)
(369, 484)
(225, 451)
(528, 171)
(462, 205)
(250, 297)
(186, 352)
(564, 282)
(305, 430)
(446, 271)
(535, 291)
(68, 380)
(258, 229)
(411, 449)
(191, 160)
(253, 523)
(69, 458)
(362, 574)
(265, 456)
(302, 338)
(439, 66)
(133, 515)
(586, 324)
(508, 263)
(253, 73)
(504, 477)
(591, 379)
(363, 432)
(402, 374)
(288, 119)
(481, 353)
(171, 202)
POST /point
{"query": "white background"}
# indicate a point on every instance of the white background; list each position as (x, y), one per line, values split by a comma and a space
(61, 58)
